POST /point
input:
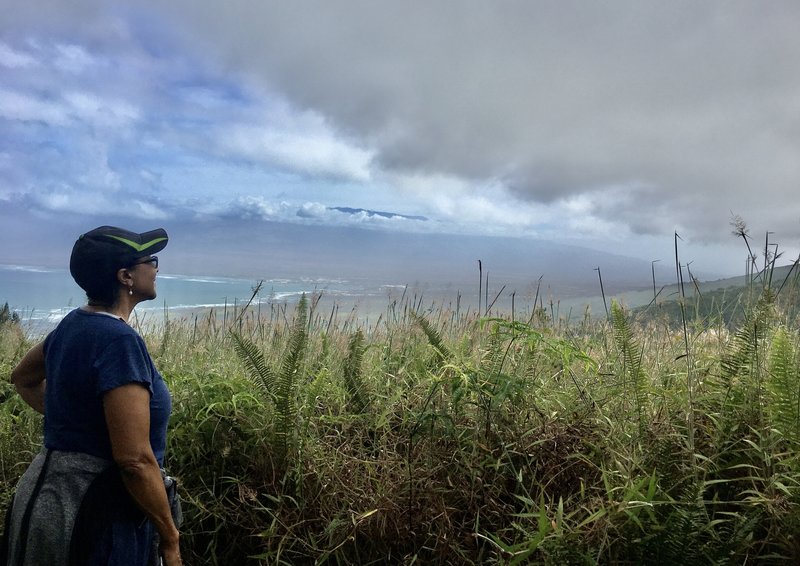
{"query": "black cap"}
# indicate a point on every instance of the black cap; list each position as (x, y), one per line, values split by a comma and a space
(99, 253)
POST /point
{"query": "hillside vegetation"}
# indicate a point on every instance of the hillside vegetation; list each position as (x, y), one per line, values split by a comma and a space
(433, 438)
(723, 302)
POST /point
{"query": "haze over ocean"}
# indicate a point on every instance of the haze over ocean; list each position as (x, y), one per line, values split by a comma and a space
(42, 296)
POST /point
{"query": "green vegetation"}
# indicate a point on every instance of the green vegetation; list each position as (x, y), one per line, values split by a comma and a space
(712, 303)
(435, 438)
(7, 316)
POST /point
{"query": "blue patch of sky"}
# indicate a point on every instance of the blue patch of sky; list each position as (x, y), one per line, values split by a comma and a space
(136, 153)
(42, 153)
(196, 94)
(165, 150)
(194, 176)
(222, 89)
(153, 35)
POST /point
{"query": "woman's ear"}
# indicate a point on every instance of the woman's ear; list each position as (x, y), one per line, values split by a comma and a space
(124, 276)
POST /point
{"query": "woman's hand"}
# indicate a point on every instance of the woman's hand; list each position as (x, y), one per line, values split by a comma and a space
(127, 410)
(171, 553)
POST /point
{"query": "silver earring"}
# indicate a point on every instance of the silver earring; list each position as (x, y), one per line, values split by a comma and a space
(130, 291)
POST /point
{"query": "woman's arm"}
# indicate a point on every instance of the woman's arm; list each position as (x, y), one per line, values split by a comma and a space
(29, 377)
(127, 411)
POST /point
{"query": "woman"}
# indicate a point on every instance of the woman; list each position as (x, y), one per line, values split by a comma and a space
(95, 495)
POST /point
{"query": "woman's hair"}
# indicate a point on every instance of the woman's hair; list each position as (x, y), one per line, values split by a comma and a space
(103, 290)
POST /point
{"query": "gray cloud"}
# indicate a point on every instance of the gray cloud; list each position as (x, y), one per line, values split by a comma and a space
(693, 103)
(651, 116)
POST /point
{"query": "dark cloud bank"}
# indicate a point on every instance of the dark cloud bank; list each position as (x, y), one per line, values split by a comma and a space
(690, 108)
(257, 249)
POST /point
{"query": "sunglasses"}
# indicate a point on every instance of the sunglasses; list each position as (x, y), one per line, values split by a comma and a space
(151, 259)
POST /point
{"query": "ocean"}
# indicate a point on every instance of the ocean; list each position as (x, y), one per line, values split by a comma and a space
(43, 296)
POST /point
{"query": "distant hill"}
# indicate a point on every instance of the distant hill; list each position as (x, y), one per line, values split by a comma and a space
(251, 247)
(722, 300)
(268, 249)
(367, 212)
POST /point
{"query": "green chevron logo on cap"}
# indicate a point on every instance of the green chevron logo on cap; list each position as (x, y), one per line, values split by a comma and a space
(134, 245)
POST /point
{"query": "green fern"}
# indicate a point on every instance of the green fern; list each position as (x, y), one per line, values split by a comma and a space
(630, 352)
(353, 382)
(743, 365)
(490, 383)
(253, 359)
(739, 359)
(685, 532)
(497, 352)
(280, 387)
(434, 339)
(784, 385)
(285, 406)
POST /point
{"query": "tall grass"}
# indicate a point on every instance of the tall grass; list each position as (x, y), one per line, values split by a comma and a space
(435, 436)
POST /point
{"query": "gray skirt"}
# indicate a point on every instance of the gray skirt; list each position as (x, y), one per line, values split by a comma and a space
(71, 508)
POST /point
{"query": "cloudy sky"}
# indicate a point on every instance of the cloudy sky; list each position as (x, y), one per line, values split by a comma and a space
(605, 124)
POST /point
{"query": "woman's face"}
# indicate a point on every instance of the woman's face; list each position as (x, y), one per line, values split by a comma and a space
(143, 274)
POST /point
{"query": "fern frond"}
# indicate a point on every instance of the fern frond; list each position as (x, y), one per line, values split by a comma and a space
(353, 382)
(497, 352)
(434, 338)
(739, 359)
(784, 386)
(631, 355)
(286, 410)
(253, 359)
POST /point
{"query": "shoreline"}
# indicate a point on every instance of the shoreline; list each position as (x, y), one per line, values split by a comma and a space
(332, 309)
(359, 301)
